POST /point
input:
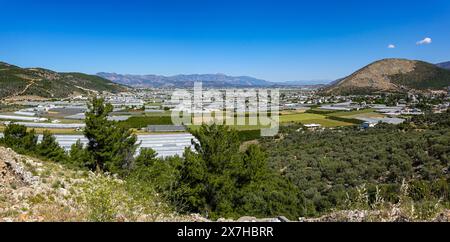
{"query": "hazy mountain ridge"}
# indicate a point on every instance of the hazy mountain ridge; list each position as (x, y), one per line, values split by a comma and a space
(208, 80)
(16, 81)
(182, 81)
(392, 75)
(445, 65)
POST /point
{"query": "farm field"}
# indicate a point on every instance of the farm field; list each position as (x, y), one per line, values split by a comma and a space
(311, 118)
(364, 113)
(236, 127)
(352, 113)
(300, 117)
(53, 131)
(327, 123)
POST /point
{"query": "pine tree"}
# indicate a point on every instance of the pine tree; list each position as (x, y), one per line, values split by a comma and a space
(146, 158)
(112, 148)
(50, 149)
(17, 137)
(80, 157)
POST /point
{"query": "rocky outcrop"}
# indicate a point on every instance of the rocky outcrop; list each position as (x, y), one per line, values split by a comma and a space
(11, 172)
(35, 190)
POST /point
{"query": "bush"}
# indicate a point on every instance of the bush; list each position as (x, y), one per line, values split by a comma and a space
(104, 199)
(50, 149)
(218, 181)
(247, 135)
(18, 138)
(80, 157)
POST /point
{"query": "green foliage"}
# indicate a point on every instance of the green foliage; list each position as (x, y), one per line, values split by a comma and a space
(432, 121)
(104, 199)
(50, 149)
(22, 141)
(219, 181)
(246, 135)
(18, 138)
(79, 156)
(14, 80)
(111, 147)
(146, 158)
(159, 175)
(330, 166)
(424, 76)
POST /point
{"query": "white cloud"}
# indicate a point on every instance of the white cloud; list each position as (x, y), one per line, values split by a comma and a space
(425, 41)
(391, 46)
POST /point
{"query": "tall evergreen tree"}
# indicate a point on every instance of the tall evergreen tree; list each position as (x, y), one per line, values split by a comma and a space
(112, 148)
(219, 180)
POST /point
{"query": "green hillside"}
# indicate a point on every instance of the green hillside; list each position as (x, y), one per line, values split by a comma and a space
(424, 76)
(16, 81)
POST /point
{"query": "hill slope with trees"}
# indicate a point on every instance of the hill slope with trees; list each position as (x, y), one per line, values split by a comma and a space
(16, 81)
(392, 75)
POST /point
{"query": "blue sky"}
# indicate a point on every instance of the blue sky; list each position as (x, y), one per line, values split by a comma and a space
(273, 40)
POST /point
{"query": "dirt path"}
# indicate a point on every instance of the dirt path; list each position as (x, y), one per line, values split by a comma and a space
(26, 88)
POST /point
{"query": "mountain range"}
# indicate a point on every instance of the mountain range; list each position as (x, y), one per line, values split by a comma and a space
(184, 81)
(43, 83)
(387, 75)
(392, 75)
(208, 80)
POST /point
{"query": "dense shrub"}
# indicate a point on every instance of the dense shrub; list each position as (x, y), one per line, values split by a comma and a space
(329, 166)
(246, 135)
(17, 137)
(219, 181)
(50, 149)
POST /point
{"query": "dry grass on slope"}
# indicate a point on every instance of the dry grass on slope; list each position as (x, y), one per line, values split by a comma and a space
(35, 190)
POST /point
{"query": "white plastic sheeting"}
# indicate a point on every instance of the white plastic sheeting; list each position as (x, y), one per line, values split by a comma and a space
(164, 144)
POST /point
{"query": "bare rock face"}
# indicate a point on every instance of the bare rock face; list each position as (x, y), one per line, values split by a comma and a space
(12, 173)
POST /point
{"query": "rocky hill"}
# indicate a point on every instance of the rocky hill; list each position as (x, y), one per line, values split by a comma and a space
(38, 82)
(392, 75)
(35, 190)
